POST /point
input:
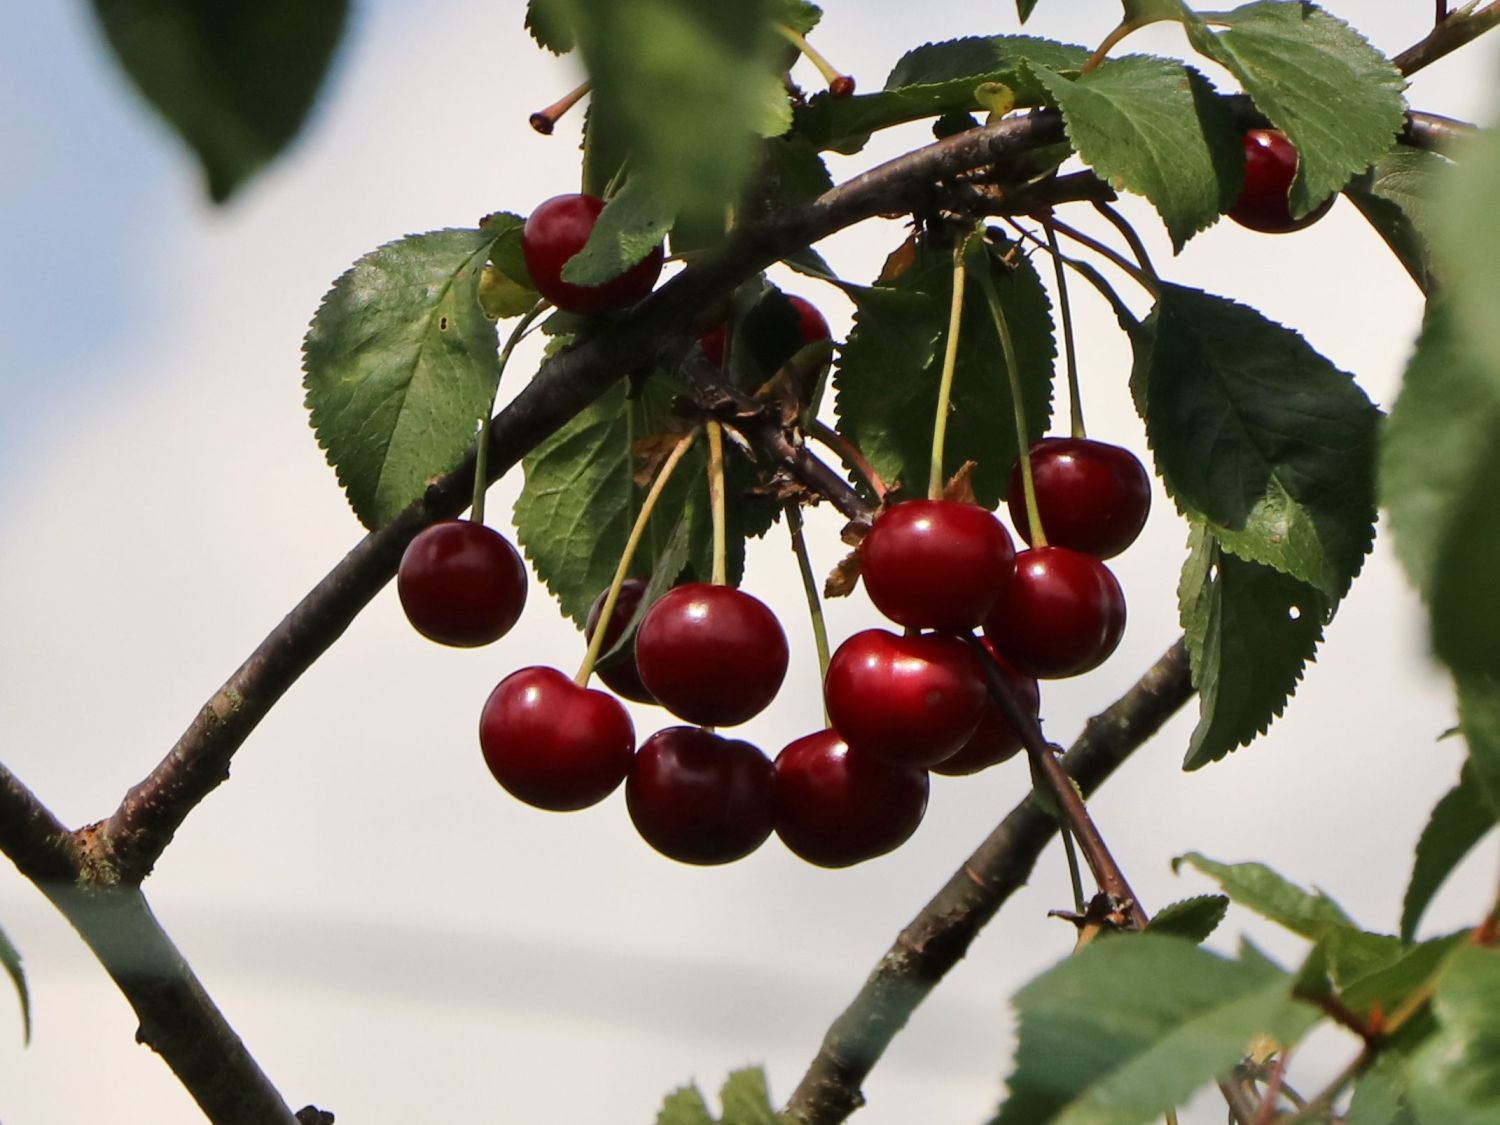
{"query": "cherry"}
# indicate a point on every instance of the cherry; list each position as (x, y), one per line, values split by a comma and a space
(936, 564)
(1062, 615)
(461, 583)
(994, 740)
(911, 700)
(698, 797)
(810, 325)
(556, 231)
(712, 655)
(836, 807)
(1265, 198)
(1092, 496)
(552, 743)
(620, 675)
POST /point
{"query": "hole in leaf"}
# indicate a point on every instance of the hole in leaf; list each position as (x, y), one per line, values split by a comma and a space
(1294, 612)
(442, 324)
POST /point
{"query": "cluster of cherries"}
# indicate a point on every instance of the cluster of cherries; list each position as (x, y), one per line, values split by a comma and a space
(900, 704)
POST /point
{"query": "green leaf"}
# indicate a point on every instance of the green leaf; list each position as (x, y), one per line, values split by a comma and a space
(1352, 953)
(1465, 603)
(234, 79)
(684, 1106)
(1141, 12)
(1192, 919)
(1156, 128)
(1250, 631)
(551, 24)
(1024, 8)
(889, 370)
(1259, 434)
(664, 67)
(1455, 1075)
(746, 1099)
(633, 224)
(505, 287)
(1318, 80)
(798, 15)
(579, 500)
(1449, 401)
(1398, 195)
(1479, 719)
(1386, 989)
(1124, 1030)
(936, 79)
(1459, 821)
(401, 364)
(1378, 1096)
(1469, 241)
(10, 959)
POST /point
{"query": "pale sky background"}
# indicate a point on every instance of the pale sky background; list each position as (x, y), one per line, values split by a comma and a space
(394, 937)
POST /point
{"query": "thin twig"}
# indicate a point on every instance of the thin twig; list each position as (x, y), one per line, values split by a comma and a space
(850, 455)
(1448, 34)
(940, 934)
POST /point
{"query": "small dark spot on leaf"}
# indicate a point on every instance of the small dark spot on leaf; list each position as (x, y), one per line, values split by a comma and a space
(442, 324)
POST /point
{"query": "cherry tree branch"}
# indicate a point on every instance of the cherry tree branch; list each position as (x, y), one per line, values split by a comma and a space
(1451, 32)
(178, 1020)
(939, 936)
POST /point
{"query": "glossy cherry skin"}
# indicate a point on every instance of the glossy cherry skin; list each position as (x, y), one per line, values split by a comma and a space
(911, 700)
(936, 564)
(835, 807)
(556, 231)
(1063, 614)
(552, 743)
(620, 675)
(1092, 496)
(698, 797)
(712, 655)
(1264, 203)
(810, 324)
(994, 740)
(461, 583)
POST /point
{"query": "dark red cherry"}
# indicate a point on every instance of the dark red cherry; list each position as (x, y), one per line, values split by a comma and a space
(556, 231)
(936, 564)
(552, 743)
(461, 583)
(1062, 615)
(712, 655)
(835, 807)
(1092, 496)
(911, 700)
(810, 324)
(698, 797)
(620, 674)
(994, 740)
(1265, 197)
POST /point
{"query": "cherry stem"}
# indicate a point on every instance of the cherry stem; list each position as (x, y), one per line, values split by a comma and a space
(1075, 876)
(1109, 42)
(1075, 397)
(1065, 797)
(1137, 247)
(849, 453)
(545, 120)
(716, 501)
(945, 386)
(1018, 409)
(607, 610)
(1088, 272)
(1146, 282)
(482, 445)
(831, 74)
(810, 588)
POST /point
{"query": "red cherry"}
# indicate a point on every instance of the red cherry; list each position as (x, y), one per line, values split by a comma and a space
(1265, 197)
(461, 583)
(912, 701)
(810, 324)
(552, 743)
(700, 798)
(1063, 614)
(994, 740)
(620, 675)
(712, 655)
(936, 564)
(1092, 496)
(835, 807)
(556, 231)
